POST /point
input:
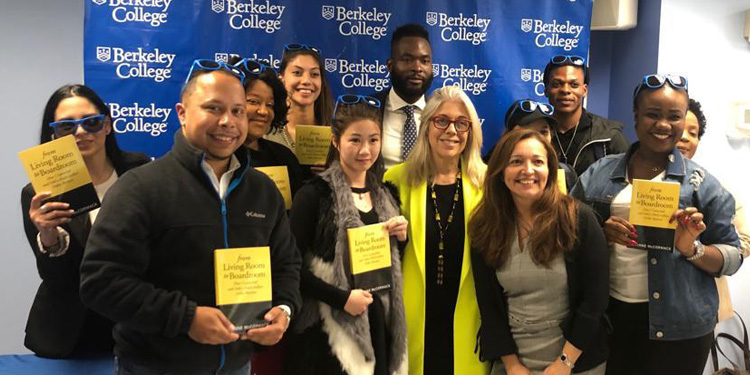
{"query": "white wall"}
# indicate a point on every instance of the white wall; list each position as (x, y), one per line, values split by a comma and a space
(41, 44)
(703, 40)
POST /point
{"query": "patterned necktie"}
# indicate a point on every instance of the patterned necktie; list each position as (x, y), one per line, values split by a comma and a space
(410, 131)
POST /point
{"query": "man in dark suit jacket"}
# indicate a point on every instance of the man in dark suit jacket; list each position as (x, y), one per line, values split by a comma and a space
(410, 67)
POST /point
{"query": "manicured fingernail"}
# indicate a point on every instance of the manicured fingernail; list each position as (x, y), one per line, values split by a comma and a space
(632, 243)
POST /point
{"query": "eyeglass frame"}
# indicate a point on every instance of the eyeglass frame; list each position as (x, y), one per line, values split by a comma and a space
(78, 123)
(262, 67)
(453, 122)
(237, 72)
(369, 100)
(536, 106)
(663, 79)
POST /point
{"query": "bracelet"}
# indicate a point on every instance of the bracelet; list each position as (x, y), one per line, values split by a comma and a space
(564, 358)
(699, 251)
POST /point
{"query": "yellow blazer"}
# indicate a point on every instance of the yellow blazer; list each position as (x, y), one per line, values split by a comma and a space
(466, 317)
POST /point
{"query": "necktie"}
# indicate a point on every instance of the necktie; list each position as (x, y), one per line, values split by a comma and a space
(410, 131)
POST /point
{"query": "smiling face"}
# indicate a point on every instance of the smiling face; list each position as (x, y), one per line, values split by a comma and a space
(448, 144)
(527, 171)
(302, 80)
(688, 143)
(566, 89)
(359, 146)
(91, 145)
(660, 118)
(259, 106)
(213, 116)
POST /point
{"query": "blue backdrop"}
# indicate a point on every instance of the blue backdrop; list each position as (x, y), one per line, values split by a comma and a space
(138, 52)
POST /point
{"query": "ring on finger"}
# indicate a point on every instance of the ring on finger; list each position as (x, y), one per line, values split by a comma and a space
(43, 208)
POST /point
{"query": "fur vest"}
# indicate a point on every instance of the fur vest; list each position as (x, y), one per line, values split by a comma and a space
(349, 336)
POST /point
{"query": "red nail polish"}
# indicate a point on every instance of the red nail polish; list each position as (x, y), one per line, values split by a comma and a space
(632, 243)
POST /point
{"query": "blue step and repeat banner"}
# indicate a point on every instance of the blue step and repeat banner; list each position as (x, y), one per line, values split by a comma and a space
(138, 52)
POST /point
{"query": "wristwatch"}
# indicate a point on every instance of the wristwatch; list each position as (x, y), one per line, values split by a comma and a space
(699, 251)
(566, 360)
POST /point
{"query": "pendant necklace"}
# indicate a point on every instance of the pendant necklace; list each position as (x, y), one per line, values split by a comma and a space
(360, 192)
(441, 229)
(567, 149)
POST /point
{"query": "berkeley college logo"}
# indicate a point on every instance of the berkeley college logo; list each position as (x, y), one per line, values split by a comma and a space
(471, 79)
(358, 21)
(330, 65)
(328, 11)
(151, 12)
(432, 18)
(103, 54)
(553, 34)
(525, 75)
(255, 14)
(527, 24)
(435, 70)
(464, 28)
(534, 76)
(137, 118)
(154, 65)
(217, 6)
(360, 73)
(221, 57)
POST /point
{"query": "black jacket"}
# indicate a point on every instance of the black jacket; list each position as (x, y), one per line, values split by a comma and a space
(59, 325)
(586, 326)
(271, 154)
(595, 138)
(149, 260)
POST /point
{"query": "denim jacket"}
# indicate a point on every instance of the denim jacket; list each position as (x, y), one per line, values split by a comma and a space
(683, 301)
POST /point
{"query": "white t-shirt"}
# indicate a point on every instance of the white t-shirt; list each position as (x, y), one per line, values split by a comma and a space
(628, 268)
(393, 126)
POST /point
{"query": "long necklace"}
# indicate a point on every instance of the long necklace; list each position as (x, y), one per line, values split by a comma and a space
(287, 138)
(565, 153)
(443, 231)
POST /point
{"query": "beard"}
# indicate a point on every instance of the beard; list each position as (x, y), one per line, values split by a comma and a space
(401, 85)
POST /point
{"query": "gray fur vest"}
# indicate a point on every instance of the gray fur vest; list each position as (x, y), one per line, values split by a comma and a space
(349, 336)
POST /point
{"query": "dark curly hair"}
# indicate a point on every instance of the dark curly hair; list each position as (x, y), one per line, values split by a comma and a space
(270, 78)
(695, 107)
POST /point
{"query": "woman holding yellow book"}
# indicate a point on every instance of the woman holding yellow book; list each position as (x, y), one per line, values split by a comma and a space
(343, 329)
(59, 325)
(663, 303)
(439, 184)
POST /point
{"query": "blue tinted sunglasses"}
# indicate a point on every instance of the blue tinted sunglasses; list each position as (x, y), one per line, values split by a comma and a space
(300, 47)
(91, 124)
(205, 64)
(655, 81)
(254, 67)
(350, 99)
(568, 59)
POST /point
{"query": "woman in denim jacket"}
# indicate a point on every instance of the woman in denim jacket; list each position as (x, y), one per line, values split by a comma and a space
(663, 304)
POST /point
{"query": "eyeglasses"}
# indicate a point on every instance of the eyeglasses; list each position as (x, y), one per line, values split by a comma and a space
(655, 81)
(91, 124)
(528, 106)
(572, 59)
(300, 47)
(462, 124)
(254, 67)
(205, 64)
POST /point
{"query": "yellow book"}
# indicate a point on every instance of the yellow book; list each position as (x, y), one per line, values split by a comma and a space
(370, 255)
(243, 285)
(280, 176)
(561, 180)
(312, 144)
(652, 205)
(57, 166)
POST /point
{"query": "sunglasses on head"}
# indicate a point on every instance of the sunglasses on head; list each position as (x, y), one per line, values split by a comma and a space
(529, 106)
(91, 124)
(441, 122)
(300, 47)
(567, 59)
(655, 81)
(254, 67)
(205, 64)
(350, 99)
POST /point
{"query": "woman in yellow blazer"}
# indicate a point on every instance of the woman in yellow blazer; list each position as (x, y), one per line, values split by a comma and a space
(439, 185)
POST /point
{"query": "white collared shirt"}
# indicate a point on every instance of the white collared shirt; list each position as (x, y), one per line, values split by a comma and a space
(393, 126)
(222, 185)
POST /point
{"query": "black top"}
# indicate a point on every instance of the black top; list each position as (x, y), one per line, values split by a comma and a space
(595, 138)
(59, 325)
(271, 154)
(441, 299)
(586, 326)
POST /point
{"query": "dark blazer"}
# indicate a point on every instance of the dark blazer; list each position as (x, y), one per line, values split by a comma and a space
(586, 326)
(59, 325)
